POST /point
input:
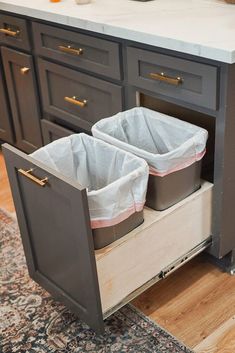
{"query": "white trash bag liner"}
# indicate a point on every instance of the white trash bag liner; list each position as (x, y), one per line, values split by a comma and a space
(166, 143)
(116, 181)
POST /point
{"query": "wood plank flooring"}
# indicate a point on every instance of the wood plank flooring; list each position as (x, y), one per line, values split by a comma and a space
(5, 192)
(196, 303)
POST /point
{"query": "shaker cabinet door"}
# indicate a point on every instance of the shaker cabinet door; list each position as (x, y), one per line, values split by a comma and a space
(6, 128)
(22, 92)
(54, 223)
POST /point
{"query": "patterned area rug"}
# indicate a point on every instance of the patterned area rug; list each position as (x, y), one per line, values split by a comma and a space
(31, 321)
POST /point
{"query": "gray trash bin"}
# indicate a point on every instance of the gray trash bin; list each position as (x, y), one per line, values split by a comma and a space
(172, 148)
(115, 180)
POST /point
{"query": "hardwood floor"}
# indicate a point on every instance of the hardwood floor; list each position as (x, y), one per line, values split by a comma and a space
(192, 304)
(196, 303)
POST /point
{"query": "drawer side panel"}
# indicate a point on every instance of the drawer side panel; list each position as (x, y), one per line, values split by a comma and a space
(165, 236)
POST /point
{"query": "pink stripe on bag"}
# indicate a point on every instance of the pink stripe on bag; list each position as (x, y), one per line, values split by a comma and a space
(137, 207)
(189, 162)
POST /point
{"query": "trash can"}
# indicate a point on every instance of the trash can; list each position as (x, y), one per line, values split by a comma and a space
(115, 180)
(172, 148)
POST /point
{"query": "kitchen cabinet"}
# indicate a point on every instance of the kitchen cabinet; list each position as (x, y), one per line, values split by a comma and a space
(80, 77)
(14, 32)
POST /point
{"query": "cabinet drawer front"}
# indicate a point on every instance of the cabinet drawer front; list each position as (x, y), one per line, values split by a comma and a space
(14, 31)
(52, 131)
(23, 97)
(83, 51)
(94, 98)
(55, 229)
(96, 283)
(181, 79)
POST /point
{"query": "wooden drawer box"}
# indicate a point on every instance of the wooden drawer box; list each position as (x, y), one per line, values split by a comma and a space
(185, 80)
(14, 32)
(94, 98)
(79, 50)
(56, 234)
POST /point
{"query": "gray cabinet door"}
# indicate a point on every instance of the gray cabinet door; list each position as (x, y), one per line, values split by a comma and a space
(55, 229)
(23, 97)
(6, 128)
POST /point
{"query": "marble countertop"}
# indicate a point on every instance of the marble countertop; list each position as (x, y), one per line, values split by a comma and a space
(205, 28)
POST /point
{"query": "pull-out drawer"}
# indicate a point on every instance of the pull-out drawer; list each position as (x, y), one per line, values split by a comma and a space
(14, 31)
(52, 131)
(54, 222)
(79, 50)
(75, 97)
(185, 80)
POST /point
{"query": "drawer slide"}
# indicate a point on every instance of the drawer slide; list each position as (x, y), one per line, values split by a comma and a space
(163, 274)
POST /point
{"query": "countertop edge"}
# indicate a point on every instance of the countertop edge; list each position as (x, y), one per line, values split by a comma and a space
(202, 51)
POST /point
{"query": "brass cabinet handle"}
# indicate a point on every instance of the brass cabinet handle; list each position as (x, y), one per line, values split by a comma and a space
(74, 100)
(9, 32)
(24, 70)
(168, 79)
(70, 50)
(26, 173)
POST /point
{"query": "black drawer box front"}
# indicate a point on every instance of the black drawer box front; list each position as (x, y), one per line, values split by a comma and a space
(60, 86)
(90, 53)
(14, 32)
(181, 79)
(52, 131)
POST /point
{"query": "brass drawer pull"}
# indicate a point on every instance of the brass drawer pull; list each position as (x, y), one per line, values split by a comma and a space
(24, 70)
(70, 50)
(162, 77)
(76, 101)
(9, 32)
(26, 173)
